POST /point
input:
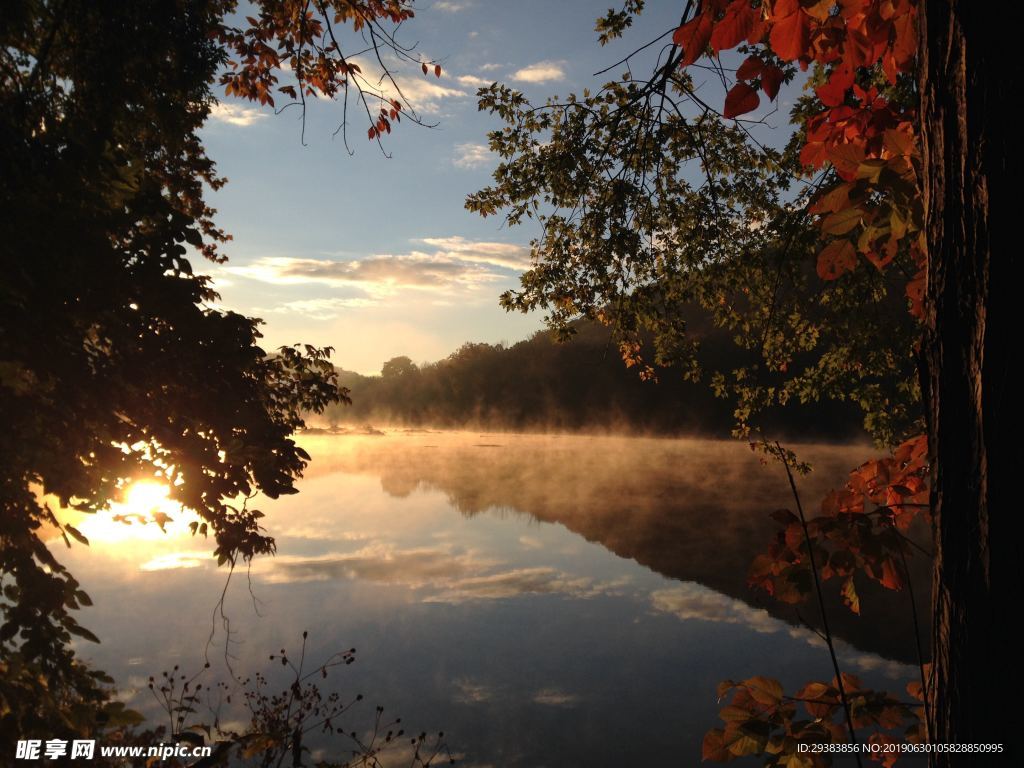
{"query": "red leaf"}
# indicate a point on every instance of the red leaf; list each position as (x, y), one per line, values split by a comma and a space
(693, 38)
(734, 27)
(771, 79)
(437, 70)
(740, 100)
(750, 68)
(833, 92)
(835, 259)
(790, 33)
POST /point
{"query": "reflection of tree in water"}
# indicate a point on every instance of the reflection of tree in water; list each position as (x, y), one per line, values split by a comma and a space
(692, 510)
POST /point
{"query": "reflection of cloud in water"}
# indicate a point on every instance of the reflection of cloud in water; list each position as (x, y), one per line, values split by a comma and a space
(691, 601)
(553, 697)
(471, 692)
(447, 575)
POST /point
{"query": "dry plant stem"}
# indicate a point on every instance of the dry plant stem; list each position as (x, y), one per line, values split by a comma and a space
(821, 602)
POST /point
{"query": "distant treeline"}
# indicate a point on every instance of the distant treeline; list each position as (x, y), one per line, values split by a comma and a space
(581, 385)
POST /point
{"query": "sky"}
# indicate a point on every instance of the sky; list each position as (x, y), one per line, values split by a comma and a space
(377, 256)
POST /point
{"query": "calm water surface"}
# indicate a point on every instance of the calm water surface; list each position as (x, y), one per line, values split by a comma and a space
(546, 601)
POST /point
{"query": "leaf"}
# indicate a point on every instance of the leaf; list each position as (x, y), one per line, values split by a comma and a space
(898, 142)
(819, 700)
(750, 68)
(850, 597)
(740, 100)
(835, 259)
(764, 690)
(833, 92)
(734, 27)
(790, 35)
(846, 158)
(771, 80)
(713, 747)
(693, 38)
(79, 537)
(832, 200)
(842, 221)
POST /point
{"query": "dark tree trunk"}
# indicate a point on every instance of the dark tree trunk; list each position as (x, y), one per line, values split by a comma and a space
(970, 85)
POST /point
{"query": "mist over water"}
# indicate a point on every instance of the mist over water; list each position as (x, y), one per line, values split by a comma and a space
(545, 600)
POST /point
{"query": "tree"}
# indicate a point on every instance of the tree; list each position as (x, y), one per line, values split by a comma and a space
(969, 162)
(657, 205)
(398, 367)
(113, 363)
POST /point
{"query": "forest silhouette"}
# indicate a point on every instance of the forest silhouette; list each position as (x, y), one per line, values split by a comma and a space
(544, 385)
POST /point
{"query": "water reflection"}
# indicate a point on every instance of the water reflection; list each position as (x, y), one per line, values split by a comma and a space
(692, 510)
(579, 610)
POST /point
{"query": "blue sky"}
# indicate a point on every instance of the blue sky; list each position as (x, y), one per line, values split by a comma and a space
(377, 257)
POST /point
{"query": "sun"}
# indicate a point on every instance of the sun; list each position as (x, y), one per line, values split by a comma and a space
(144, 513)
(143, 497)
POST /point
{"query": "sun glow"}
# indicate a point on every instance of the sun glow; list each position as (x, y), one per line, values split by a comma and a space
(145, 513)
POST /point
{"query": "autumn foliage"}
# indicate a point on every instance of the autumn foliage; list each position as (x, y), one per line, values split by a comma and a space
(860, 138)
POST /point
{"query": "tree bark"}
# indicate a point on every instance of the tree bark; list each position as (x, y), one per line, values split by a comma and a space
(970, 79)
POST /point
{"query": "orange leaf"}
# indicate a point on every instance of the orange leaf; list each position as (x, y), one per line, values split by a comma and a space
(832, 200)
(847, 159)
(790, 35)
(835, 259)
(713, 747)
(764, 690)
(740, 100)
(819, 699)
(842, 221)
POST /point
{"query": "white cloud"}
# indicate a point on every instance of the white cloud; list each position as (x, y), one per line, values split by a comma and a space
(318, 309)
(450, 6)
(506, 255)
(490, 67)
(455, 263)
(236, 114)
(472, 155)
(423, 92)
(473, 81)
(378, 275)
(541, 72)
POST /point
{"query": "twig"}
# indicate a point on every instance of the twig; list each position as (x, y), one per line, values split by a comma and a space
(821, 602)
